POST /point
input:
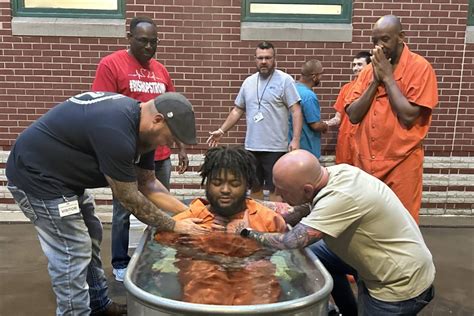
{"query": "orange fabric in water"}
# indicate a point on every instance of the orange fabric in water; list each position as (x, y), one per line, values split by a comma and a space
(346, 131)
(383, 146)
(223, 278)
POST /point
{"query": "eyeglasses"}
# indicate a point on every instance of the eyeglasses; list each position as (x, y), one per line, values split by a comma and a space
(260, 58)
(144, 41)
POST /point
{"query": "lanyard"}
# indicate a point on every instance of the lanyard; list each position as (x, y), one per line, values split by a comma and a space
(259, 100)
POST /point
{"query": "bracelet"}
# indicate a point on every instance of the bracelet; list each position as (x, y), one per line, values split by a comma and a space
(221, 131)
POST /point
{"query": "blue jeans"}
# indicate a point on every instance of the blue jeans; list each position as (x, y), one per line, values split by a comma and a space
(163, 171)
(72, 246)
(121, 219)
(367, 305)
(341, 292)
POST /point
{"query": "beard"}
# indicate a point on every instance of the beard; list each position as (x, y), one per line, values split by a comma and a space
(265, 74)
(226, 211)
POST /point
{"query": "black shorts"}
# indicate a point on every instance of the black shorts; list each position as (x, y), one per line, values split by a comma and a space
(265, 161)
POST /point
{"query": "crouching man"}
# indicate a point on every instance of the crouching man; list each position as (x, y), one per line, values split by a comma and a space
(364, 227)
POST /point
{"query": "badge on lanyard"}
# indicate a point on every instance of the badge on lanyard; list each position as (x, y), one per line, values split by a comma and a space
(68, 208)
(258, 117)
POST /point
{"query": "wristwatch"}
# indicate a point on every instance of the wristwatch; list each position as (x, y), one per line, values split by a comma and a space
(245, 232)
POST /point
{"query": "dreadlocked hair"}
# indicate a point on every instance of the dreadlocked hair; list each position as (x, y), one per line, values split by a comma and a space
(230, 158)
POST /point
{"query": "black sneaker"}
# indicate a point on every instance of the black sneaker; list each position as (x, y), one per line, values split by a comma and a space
(113, 309)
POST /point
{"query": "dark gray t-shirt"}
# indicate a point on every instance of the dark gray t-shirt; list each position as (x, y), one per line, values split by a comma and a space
(76, 143)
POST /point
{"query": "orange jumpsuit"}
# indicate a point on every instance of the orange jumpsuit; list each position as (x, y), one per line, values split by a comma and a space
(346, 132)
(210, 281)
(383, 146)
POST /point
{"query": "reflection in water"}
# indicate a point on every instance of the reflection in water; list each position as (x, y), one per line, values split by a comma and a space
(223, 269)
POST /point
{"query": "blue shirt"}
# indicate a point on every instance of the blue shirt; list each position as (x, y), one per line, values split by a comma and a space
(310, 140)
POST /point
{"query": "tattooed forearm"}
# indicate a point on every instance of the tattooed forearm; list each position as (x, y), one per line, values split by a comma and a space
(134, 201)
(294, 215)
(291, 215)
(299, 237)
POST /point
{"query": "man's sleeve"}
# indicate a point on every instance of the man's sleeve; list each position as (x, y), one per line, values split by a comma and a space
(333, 214)
(422, 86)
(310, 108)
(169, 82)
(360, 85)
(279, 224)
(147, 161)
(115, 152)
(268, 220)
(291, 95)
(240, 99)
(104, 80)
(341, 98)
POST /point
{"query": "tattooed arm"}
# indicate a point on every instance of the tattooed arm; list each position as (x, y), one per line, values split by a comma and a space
(157, 193)
(294, 215)
(291, 215)
(299, 237)
(139, 205)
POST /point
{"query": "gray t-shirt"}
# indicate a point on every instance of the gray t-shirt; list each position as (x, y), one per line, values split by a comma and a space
(276, 94)
(368, 227)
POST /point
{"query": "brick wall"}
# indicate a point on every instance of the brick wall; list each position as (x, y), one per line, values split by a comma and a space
(201, 47)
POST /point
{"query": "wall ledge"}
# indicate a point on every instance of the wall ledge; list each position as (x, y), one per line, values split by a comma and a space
(312, 32)
(79, 27)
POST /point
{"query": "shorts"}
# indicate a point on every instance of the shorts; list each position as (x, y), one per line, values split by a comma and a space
(265, 161)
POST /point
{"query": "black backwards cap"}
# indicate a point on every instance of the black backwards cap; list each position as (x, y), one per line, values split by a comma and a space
(179, 116)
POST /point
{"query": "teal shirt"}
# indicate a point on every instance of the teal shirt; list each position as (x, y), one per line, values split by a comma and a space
(310, 140)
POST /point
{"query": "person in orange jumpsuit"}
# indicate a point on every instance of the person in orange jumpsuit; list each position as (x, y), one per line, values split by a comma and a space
(392, 102)
(233, 265)
(346, 132)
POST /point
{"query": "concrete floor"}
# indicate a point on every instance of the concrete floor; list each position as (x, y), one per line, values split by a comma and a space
(25, 286)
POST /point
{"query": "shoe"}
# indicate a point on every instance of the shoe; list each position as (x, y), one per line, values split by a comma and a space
(113, 309)
(119, 274)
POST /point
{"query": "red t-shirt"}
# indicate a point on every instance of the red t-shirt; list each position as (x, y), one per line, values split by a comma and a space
(120, 72)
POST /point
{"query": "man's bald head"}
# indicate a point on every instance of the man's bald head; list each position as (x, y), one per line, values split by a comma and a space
(310, 67)
(311, 73)
(297, 176)
(388, 35)
(389, 22)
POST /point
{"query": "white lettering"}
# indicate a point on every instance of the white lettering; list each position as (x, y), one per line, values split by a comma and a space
(147, 87)
(96, 97)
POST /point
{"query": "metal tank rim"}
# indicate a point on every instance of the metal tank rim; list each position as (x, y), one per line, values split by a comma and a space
(156, 302)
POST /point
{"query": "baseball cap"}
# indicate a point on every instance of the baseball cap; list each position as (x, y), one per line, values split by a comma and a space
(179, 116)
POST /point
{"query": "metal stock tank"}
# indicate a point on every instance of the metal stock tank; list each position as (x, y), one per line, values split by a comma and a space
(312, 277)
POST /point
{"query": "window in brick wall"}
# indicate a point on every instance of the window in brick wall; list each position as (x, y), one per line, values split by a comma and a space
(301, 11)
(104, 9)
(85, 18)
(470, 15)
(470, 23)
(297, 20)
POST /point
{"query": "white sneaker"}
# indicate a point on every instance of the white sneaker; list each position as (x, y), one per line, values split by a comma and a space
(119, 274)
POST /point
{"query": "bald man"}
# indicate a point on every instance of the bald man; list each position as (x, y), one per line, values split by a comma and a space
(365, 229)
(392, 102)
(311, 73)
